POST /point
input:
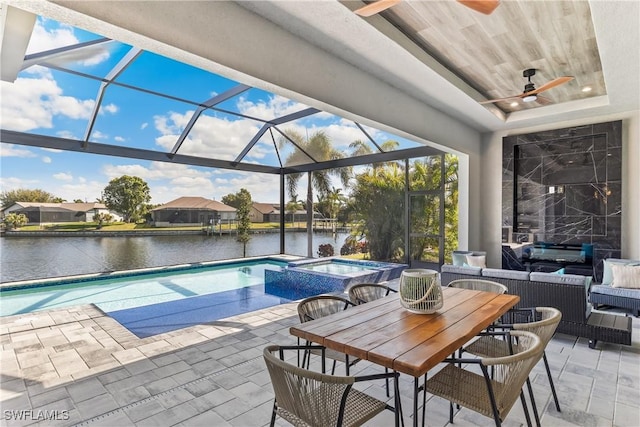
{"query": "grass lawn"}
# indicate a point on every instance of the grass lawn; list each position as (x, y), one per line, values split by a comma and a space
(123, 226)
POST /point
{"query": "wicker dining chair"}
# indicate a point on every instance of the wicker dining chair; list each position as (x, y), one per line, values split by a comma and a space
(542, 321)
(319, 306)
(479, 285)
(367, 292)
(492, 395)
(308, 398)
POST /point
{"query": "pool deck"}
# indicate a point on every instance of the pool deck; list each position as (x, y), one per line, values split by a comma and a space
(80, 364)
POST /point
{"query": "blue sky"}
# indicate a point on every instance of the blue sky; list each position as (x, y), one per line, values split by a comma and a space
(49, 102)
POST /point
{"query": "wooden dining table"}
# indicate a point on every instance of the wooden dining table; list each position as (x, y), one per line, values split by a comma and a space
(385, 333)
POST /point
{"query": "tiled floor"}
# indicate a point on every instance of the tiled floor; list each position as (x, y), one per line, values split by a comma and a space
(83, 368)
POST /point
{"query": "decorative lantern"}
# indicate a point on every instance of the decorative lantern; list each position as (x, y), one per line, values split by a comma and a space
(420, 291)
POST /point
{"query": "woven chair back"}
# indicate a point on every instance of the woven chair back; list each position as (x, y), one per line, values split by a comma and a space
(320, 306)
(545, 327)
(479, 285)
(304, 395)
(367, 292)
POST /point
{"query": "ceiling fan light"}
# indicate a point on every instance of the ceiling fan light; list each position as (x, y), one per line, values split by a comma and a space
(529, 98)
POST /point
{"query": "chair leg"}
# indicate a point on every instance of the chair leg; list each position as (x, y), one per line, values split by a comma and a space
(525, 409)
(273, 415)
(534, 407)
(553, 388)
(386, 381)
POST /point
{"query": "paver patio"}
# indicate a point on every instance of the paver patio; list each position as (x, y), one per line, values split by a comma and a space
(80, 366)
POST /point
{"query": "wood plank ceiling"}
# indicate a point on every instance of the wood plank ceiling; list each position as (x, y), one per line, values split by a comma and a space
(490, 52)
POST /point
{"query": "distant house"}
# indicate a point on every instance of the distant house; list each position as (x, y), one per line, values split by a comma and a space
(192, 211)
(53, 213)
(264, 212)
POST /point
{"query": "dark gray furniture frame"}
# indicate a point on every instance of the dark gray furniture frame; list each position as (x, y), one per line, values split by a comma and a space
(632, 304)
(571, 300)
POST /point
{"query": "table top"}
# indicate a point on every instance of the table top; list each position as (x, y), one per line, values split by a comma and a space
(384, 333)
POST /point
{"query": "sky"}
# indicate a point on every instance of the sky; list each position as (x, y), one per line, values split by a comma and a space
(50, 102)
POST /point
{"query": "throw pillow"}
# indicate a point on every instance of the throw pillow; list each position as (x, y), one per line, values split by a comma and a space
(459, 257)
(477, 260)
(625, 276)
(607, 274)
(561, 271)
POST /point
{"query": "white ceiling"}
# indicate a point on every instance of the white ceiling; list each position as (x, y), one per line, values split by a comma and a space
(219, 37)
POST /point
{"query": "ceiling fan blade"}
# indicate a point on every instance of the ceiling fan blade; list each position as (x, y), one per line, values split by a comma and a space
(376, 7)
(491, 101)
(543, 100)
(483, 6)
(553, 83)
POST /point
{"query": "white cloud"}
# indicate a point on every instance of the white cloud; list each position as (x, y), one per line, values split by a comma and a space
(96, 134)
(34, 103)
(11, 150)
(110, 108)
(144, 126)
(276, 106)
(211, 137)
(63, 176)
(46, 159)
(119, 139)
(43, 39)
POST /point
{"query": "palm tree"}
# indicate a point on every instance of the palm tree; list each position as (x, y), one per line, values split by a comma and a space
(361, 148)
(319, 148)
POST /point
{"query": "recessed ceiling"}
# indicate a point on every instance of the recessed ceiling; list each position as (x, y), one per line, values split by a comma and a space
(490, 52)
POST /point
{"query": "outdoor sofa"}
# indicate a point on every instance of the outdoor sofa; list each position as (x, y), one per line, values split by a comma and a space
(608, 293)
(567, 292)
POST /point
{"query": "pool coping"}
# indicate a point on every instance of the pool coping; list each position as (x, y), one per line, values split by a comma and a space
(88, 277)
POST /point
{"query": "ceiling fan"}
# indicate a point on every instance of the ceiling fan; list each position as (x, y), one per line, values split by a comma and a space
(530, 92)
(482, 6)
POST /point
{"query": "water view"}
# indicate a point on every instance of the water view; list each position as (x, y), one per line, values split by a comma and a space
(26, 258)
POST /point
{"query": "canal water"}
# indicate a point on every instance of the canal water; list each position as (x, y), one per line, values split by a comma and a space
(28, 258)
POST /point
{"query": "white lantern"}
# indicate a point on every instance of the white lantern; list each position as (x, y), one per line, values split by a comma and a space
(420, 291)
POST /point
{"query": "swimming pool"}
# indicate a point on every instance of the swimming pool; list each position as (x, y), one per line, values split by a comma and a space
(152, 301)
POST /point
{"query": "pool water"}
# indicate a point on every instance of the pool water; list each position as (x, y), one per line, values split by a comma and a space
(336, 268)
(148, 304)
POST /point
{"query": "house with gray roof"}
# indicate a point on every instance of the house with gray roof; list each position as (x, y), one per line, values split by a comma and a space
(185, 211)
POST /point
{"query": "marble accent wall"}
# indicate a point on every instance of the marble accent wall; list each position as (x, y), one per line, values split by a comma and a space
(564, 185)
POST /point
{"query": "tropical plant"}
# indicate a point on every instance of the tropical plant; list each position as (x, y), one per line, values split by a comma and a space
(9, 198)
(129, 196)
(317, 148)
(293, 206)
(378, 203)
(14, 221)
(325, 250)
(101, 218)
(243, 197)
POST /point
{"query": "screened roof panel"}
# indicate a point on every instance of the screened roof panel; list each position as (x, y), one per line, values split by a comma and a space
(160, 74)
(264, 152)
(215, 134)
(95, 60)
(137, 104)
(138, 119)
(261, 105)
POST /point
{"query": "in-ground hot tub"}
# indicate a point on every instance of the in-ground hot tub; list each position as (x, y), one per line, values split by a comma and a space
(328, 275)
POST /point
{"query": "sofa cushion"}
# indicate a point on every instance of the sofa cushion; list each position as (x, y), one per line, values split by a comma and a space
(568, 279)
(505, 274)
(625, 276)
(607, 274)
(619, 292)
(459, 269)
